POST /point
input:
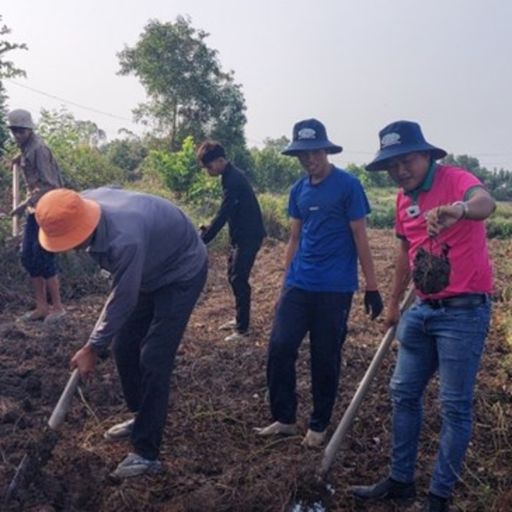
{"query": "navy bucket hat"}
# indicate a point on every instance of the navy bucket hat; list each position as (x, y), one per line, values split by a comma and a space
(310, 135)
(400, 138)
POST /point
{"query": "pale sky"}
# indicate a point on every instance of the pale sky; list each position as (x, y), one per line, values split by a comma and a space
(355, 65)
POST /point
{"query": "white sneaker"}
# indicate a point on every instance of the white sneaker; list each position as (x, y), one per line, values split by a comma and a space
(276, 428)
(236, 337)
(228, 326)
(120, 431)
(313, 439)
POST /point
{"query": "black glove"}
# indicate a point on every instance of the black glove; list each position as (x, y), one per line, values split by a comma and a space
(373, 303)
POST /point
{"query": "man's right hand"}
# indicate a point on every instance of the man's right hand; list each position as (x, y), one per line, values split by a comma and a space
(85, 360)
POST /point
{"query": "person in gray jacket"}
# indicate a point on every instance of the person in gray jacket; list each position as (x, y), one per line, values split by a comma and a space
(41, 174)
(158, 265)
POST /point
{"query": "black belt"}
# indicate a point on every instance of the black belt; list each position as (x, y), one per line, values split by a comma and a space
(467, 300)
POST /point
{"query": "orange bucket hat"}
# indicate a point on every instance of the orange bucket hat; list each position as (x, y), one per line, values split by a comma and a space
(65, 219)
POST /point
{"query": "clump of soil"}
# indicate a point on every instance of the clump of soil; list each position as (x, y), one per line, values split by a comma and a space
(431, 273)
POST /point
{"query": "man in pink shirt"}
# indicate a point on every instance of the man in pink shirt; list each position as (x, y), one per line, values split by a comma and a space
(439, 220)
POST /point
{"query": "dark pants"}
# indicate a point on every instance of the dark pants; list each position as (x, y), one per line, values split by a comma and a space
(37, 261)
(324, 315)
(144, 352)
(241, 260)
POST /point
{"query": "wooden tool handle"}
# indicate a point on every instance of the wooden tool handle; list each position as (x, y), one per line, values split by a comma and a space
(62, 407)
(351, 411)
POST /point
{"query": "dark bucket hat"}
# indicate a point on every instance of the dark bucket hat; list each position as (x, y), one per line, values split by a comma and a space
(400, 138)
(310, 135)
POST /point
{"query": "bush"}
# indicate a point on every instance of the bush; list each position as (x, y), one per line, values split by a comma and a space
(181, 174)
(499, 228)
(275, 218)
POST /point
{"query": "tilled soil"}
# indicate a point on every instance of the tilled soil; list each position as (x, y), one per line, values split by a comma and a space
(214, 461)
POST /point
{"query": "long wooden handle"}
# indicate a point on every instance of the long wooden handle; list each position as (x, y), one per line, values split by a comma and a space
(351, 411)
(62, 407)
(15, 199)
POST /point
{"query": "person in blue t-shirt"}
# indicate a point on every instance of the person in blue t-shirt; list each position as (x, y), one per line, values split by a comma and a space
(328, 209)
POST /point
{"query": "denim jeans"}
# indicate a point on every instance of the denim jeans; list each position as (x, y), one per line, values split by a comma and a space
(448, 340)
(324, 315)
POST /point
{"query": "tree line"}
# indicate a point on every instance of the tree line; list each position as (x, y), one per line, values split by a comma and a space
(189, 98)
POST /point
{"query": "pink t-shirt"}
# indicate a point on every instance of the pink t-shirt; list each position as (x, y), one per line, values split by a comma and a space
(471, 270)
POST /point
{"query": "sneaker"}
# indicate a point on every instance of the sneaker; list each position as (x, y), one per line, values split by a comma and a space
(276, 428)
(314, 439)
(436, 503)
(228, 326)
(387, 489)
(55, 317)
(120, 431)
(135, 465)
(31, 316)
(237, 337)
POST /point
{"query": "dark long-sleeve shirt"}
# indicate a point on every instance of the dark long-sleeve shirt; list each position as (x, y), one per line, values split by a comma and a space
(145, 242)
(239, 208)
(39, 168)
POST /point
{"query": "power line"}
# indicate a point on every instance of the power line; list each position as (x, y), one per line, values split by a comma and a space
(69, 102)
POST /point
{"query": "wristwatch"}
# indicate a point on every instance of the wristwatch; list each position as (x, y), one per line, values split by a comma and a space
(464, 208)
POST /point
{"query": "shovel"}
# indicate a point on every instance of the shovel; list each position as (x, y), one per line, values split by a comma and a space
(40, 452)
(351, 411)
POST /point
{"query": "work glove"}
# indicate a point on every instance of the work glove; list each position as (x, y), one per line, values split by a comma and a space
(373, 303)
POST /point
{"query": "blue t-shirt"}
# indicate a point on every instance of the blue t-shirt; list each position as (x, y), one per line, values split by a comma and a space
(326, 258)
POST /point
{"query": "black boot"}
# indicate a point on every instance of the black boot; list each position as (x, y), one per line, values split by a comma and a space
(387, 489)
(437, 503)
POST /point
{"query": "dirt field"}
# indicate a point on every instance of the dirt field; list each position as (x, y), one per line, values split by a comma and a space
(214, 462)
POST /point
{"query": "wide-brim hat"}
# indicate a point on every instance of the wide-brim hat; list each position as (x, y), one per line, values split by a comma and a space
(65, 219)
(20, 118)
(310, 135)
(400, 138)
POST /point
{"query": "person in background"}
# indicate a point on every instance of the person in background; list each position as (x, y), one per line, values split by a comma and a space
(41, 174)
(440, 213)
(159, 266)
(241, 210)
(328, 209)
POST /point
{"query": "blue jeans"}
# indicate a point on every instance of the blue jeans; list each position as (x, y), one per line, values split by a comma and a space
(324, 315)
(449, 340)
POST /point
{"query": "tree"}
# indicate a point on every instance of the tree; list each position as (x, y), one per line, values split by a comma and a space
(127, 154)
(7, 70)
(274, 172)
(189, 94)
(75, 146)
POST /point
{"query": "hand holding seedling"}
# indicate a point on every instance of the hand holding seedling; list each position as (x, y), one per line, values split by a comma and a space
(443, 217)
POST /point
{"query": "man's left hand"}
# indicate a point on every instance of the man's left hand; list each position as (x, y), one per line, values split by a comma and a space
(373, 303)
(443, 217)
